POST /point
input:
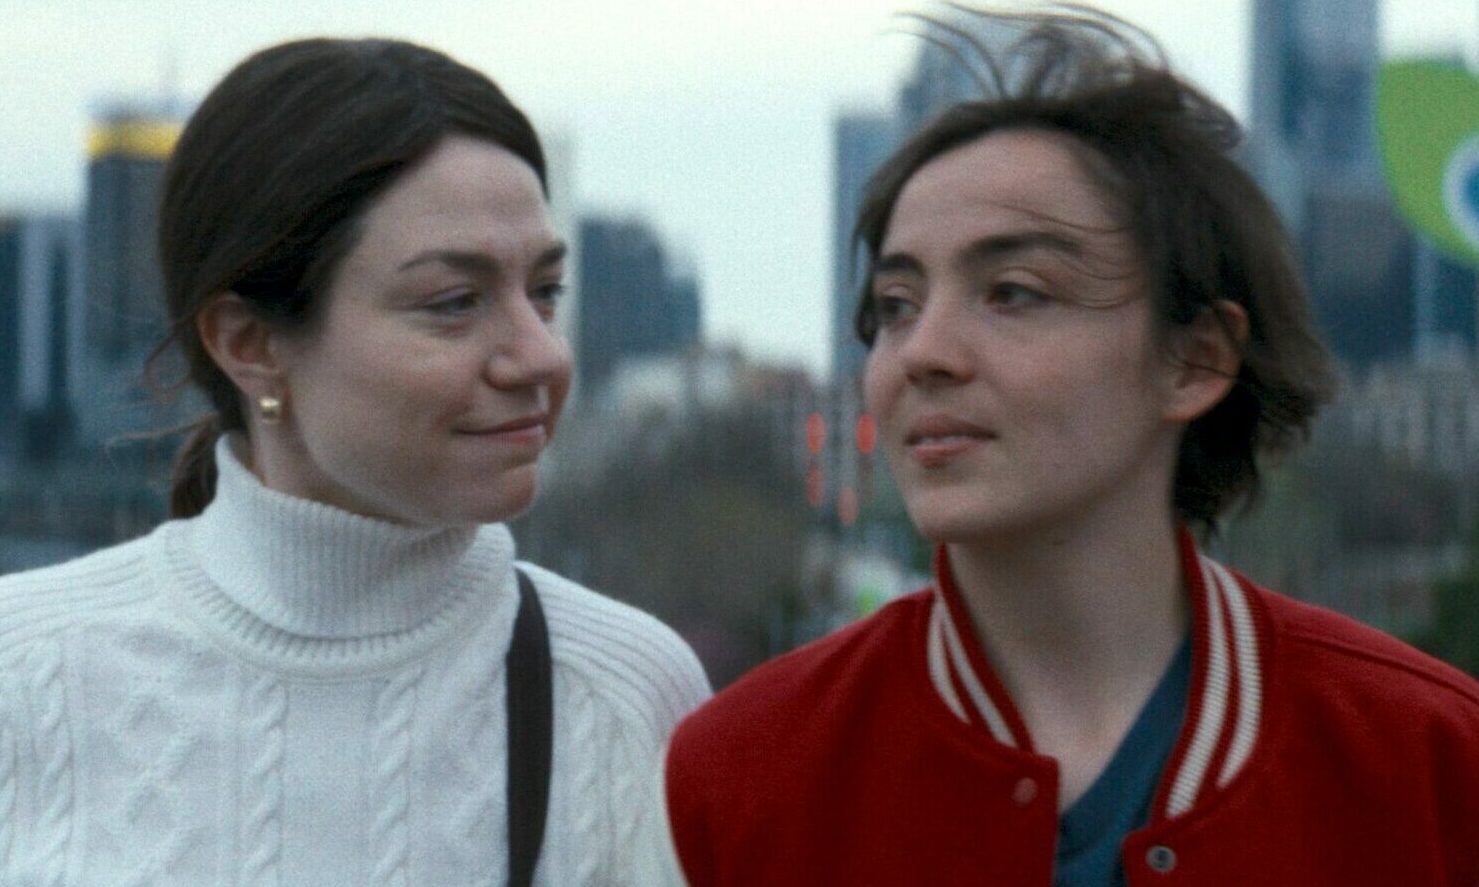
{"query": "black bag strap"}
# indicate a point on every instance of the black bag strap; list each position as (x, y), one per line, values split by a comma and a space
(530, 734)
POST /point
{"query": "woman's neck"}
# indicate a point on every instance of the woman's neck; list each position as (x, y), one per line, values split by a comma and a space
(1091, 597)
(1080, 623)
(318, 571)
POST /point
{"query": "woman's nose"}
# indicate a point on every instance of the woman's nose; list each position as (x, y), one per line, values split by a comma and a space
(527, 350)
(937, 347)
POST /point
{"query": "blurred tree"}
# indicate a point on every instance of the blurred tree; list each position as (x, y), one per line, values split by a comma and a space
(1453, 633)
(1347, 526)
(698, 519)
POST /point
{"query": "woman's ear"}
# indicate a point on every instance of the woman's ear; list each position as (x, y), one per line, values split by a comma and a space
(1205, 357)
(241, 344)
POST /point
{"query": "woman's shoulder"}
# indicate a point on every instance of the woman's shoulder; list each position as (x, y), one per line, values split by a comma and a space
(1326, 644)
(48, 601)
(618, 650)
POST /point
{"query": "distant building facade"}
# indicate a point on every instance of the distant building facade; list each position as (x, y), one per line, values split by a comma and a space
(942, 78)
(1425, 415)
(57, 499)
(1445, 308)
(40, 289)
(122, 319)
(860, 142)
(633, 303)
(559, 158)
(1378, 292)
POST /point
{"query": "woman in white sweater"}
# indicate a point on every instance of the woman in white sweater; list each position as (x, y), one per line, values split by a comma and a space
(304, 678)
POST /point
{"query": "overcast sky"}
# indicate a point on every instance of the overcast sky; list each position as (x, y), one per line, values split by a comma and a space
(710, 117)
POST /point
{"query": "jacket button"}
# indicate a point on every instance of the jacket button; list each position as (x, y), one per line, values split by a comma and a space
(1160, 858)
(1024, 792)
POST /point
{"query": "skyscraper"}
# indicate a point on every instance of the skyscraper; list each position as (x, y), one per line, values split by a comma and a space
(39, 290)
(1444, 310)
(1314, 71)
(942, 78)
(861, 142)
(122, 320)
(1357, 256)
(633, 303)
(1377, 291)
(10, 328)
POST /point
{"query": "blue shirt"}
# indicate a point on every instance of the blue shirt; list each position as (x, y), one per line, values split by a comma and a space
(1091, 831)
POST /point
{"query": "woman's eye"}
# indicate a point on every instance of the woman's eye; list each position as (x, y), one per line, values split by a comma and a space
(1014, 295)
(892, 309)
(459, 302)
(546, 298)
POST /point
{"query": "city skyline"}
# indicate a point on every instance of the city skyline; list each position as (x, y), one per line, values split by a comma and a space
(723, 145)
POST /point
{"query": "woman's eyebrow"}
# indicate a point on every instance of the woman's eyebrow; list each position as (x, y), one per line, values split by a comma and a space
(990, 248)
(999, 246)
(461, 260)
(474, 262)
(897, 263)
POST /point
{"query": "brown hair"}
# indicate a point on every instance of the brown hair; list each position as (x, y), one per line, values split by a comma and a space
(1203, 227)
(263, 193)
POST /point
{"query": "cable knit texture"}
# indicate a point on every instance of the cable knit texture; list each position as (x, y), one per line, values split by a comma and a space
(278, 692)
(7, 788)
(54, 753)
(266, 709)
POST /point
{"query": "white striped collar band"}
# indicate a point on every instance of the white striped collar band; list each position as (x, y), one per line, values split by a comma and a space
(1222, 718)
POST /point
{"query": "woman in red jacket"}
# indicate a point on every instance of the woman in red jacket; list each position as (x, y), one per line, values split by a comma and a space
(1086, 333)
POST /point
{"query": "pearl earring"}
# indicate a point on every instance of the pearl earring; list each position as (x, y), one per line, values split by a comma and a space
(271, 409)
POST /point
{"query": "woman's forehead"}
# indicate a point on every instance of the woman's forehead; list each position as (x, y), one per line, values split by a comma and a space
(1036, 171)
(1026, 184)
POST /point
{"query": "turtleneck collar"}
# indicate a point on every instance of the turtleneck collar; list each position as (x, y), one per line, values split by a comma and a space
(295, 577)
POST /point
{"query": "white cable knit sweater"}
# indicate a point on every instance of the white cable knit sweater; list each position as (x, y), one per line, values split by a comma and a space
(281, 693)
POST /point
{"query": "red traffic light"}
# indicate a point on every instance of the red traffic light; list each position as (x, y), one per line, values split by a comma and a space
(867, 434)
(816, 433)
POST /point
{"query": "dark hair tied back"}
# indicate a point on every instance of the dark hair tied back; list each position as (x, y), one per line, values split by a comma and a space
(193, 480)
(264, 191)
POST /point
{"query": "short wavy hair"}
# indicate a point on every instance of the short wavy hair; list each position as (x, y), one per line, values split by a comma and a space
(1162, 149)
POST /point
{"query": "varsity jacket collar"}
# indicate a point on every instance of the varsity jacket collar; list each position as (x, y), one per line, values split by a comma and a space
(1225, 705)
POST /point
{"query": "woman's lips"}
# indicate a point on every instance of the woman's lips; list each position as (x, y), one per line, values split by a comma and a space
(937, 440)
(526, 431)
(933, 452)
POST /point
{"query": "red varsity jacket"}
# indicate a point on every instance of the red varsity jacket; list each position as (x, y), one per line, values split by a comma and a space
(1314, 751)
